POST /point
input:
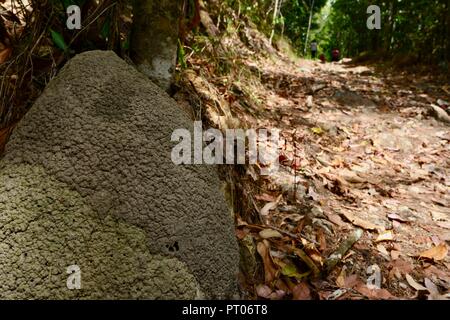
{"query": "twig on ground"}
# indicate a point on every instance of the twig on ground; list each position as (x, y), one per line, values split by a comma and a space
(336, 256)
(287, 233)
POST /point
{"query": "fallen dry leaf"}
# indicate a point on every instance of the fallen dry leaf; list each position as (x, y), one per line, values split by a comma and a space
(338, 185)
(434, 291)
(382, 249)
(352, 281)
(270, 206)
(445, 225)
(338, 162)
(5, 54)
(265, 197)
(436, 240)
(399, 267)
(396, 217)
(314, 254)
(385, 236)
(438, 216)
(340, 280)
(270, 270)
(436, 253)
(251, 171)
(396, 225)
(335, 219)
(378, 294)
(301, 292)
(322, 240)
(350, 176)
(241, 222)
(431, 287)
(414, 284)
(241, 233)
(431, 271)
(263, 291)
(360, 222)
(313, 194)
(395, 254)
(283, 286)
(277, 295)
(270, 233)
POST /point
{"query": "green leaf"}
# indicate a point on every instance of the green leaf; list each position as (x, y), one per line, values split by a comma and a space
(181, 55)
(66, 3)
(126, 44)
(317, 130)
(104, 33)
(58, 40)
(291, 271)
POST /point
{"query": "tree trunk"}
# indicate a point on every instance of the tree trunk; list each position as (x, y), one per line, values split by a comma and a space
(207, 22)
(154, 39)
(391, 21)
(309, 26)
(275, 15)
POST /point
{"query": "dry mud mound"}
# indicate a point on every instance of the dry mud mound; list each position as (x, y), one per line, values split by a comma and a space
(87, 180)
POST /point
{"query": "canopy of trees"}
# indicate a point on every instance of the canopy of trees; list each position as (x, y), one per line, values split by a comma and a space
(418, 29)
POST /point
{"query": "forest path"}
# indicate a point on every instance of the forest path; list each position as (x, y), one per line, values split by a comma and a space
(365, 154)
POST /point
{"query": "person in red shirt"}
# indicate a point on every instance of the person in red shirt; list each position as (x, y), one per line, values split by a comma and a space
(335, 55)
(322, 58)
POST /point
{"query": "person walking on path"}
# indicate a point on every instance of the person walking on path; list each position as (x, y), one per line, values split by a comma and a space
(314, 49)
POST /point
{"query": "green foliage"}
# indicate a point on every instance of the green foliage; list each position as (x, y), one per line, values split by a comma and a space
(106, 29)
(259, 12)
(296, 14)
(58, 40)
(103, 25)
(181, 55)
(292, 21)
(417, 28)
